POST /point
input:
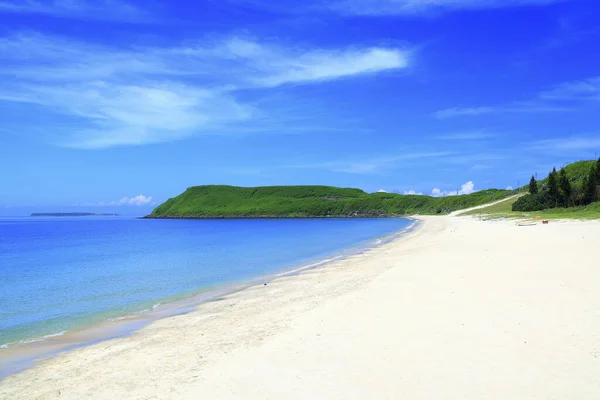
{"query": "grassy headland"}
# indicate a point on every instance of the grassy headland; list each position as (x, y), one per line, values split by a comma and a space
(219, 201)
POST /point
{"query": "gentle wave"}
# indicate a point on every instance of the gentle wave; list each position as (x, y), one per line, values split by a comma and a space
(134, 315)
(293, 271)
(33, 340)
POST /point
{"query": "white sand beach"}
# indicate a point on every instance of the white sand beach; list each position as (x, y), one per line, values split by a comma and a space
(458, 309)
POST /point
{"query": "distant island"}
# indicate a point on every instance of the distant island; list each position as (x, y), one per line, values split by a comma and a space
(221, 201)
(73, 215)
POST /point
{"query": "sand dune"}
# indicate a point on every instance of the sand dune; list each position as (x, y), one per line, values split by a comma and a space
(458, 309)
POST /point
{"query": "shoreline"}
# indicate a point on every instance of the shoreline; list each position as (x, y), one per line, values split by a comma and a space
(19, 356)
(368, 216)
(457, 308)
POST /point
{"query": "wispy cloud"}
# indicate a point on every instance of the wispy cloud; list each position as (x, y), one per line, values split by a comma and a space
(560, 98)
(270, 64)
(323, 65)
(418, 7)
(480, 167)
(378, 8)
(576, 143)
(140, 95)
(81, 9)
(453, 159)
(467, 136)
(516, 107)
(372, 165)
(584, 90)
(137, 201)
(458, 111)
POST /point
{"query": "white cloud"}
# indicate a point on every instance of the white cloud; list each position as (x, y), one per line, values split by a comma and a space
(509, 188)
(466, 188)
(412, 192)
(138, 201)
(325, 65)
(82, 9)
(416, 7)
(271, 64)
(382, 191)
(141, 95)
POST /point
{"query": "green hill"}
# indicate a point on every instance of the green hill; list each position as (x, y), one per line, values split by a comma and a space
(576, 172)
(575, 185)
(218, 201)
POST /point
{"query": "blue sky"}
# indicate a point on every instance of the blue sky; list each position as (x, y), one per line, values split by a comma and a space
(117, 106)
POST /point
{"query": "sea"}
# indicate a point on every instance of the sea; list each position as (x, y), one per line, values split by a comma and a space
(63, 274)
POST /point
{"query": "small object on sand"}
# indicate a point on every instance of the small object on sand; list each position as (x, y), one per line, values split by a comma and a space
(526, 223)
(545, 222)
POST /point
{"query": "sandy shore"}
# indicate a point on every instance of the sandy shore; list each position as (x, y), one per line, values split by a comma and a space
(457, 309)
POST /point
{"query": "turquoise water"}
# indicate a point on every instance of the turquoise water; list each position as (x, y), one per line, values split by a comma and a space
(60, 274)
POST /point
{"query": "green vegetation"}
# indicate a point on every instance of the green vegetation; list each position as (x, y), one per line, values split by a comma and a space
(577, 172)
(572, 192)
(504, 209)
(215, 201)
(572, 195)
(533, 187)
(591, 211)
(576, 185)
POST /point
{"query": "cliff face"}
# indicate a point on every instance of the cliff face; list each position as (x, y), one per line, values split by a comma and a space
(214, 201)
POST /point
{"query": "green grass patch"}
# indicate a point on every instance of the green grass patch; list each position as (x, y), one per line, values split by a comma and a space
(591, 211)
(504, 209)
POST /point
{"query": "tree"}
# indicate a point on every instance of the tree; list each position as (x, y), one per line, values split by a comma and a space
(566, 191)
(553, 190)
(533, 187)
(591, 186)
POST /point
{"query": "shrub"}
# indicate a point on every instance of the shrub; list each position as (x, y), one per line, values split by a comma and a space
(531, 202)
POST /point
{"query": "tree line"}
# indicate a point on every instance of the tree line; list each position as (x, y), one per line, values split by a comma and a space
(558, 191)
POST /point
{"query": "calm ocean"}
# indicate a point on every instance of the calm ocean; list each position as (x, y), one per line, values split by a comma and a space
(60, 274)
